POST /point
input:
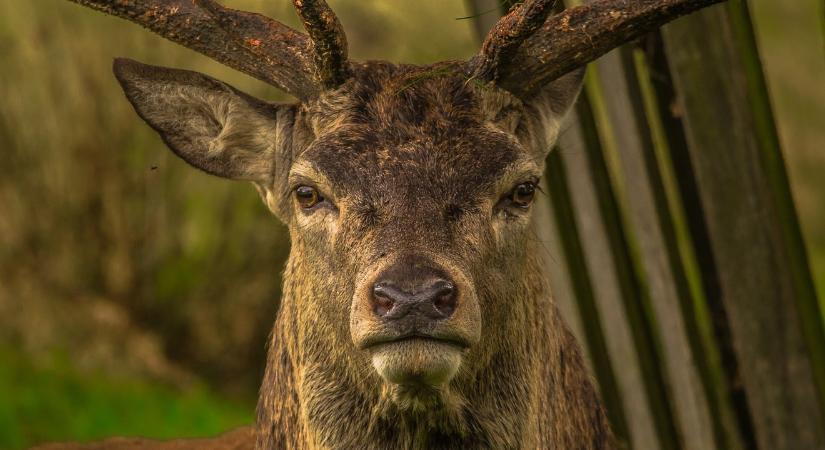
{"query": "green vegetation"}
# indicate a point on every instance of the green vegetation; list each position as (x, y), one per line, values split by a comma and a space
(791, 43)
(56, 402)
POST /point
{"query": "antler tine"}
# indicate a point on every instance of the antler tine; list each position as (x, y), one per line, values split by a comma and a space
(506, 36)
(256, 45)
(329, 41)
(571, 39)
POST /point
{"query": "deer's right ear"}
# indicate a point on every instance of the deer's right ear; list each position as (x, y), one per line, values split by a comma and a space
(209, 124)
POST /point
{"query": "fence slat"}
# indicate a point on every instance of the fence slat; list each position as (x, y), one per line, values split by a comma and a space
(592, 215)
(606, 346)
(763, 280)
(708, 326)
(655, 240)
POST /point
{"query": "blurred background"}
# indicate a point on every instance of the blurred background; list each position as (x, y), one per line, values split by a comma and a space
(136, 294)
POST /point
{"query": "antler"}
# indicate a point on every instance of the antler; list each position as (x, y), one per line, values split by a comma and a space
(507, 35)
(330, 42)
(276, 50)
(251, 43)
(524, 52)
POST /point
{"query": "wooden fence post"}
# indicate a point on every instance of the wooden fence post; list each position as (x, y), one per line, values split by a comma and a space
(764, 284)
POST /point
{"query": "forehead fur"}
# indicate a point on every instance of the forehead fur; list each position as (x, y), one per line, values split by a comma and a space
(413, 128)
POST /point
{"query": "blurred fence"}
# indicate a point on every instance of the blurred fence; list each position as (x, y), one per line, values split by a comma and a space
(683, 272)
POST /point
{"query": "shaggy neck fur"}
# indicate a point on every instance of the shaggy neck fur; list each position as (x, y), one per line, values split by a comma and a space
(526, 387)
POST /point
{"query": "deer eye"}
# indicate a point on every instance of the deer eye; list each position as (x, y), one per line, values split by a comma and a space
(307, 196)
(522, 195)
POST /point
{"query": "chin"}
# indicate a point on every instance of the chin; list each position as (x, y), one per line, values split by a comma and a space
(417, 365)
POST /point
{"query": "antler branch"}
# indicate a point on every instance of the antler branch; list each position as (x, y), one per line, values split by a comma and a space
(522, 62)
(507, 35)
(281, 52)
(251, 43)
(329, 41)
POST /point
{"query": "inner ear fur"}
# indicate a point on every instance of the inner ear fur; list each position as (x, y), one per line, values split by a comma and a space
(209, 124)
(549, 109)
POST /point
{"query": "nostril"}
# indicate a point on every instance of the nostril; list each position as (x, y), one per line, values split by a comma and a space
(444, 297)
(427, 301)
(382, 301)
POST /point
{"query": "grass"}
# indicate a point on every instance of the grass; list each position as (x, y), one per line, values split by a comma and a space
(56, 402)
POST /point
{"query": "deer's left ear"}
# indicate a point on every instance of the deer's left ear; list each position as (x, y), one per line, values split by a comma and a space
(548, 110)
(209, 124)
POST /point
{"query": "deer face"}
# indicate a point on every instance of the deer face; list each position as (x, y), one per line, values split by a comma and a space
(407, 192)
(416, 186)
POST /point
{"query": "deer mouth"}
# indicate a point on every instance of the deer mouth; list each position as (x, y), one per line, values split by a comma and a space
(451, 340)
(417, 359)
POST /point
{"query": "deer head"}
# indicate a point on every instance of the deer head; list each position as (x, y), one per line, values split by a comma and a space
(407, 190)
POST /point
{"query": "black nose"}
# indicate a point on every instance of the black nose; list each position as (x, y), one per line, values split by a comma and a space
(412, 294)
(434, 300)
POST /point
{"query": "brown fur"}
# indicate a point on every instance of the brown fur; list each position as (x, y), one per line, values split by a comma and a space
(414, 162)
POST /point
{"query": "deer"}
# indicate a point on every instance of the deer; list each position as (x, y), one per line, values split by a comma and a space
(414, 313)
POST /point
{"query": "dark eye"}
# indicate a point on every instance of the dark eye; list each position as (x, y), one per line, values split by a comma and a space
(307, 196)
(522, 195)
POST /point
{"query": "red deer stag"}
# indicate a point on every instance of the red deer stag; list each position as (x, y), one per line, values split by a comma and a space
(414, 314)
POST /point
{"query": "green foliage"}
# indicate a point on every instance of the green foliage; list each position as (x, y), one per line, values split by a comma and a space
(56, 402)
(791, 43)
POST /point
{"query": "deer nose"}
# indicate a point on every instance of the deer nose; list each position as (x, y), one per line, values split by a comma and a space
(431, 300)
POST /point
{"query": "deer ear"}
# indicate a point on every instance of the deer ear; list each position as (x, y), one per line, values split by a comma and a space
(550, 107)
(209, 124)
